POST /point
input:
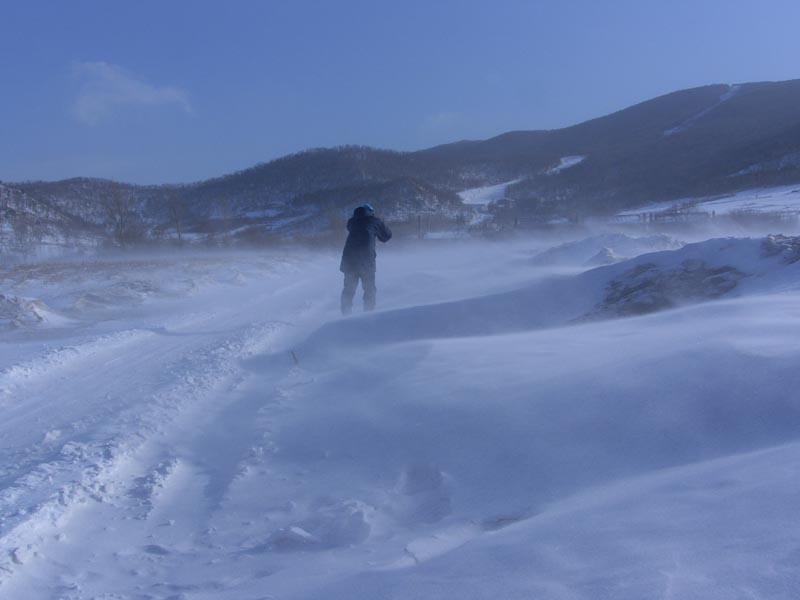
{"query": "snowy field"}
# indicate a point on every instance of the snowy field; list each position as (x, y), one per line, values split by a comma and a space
(514, 422)
(778, 200)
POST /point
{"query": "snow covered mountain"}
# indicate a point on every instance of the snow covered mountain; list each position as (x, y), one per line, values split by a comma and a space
(699, 142)
(37, 228)
(303, 196)
(706, 140)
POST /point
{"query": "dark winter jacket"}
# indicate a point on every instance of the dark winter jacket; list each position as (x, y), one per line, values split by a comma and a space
(359, 249)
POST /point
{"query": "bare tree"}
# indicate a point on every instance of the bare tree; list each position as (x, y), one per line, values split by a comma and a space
(175, 207)
(225, 219)
(125, 224)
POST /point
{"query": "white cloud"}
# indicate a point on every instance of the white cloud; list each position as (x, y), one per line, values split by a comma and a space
(106, 88)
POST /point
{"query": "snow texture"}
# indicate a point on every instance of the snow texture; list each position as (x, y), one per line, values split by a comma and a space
(604, 249)
(779, 200)
(487, 194)
(204, 426)
(565, 162)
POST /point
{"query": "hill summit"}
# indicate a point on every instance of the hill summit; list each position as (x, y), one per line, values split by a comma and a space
(709, 140)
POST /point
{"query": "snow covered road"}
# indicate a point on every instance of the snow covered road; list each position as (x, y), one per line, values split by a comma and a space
(75, 415)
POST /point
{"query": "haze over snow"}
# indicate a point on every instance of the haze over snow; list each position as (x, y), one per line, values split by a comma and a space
(509, 423)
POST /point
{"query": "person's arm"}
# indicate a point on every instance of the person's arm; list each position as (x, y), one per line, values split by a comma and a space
(384, 233)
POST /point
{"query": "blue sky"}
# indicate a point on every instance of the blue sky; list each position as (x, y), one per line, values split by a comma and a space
(172, 91)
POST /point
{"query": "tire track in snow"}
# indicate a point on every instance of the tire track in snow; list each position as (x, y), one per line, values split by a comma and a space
(94, 471)
(14, 378)
(105, 453)
(83, 469)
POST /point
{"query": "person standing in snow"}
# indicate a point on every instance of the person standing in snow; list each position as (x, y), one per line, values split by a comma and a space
(358, 256)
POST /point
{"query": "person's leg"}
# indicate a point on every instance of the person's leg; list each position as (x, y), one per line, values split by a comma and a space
(370, 292)
(350, 284)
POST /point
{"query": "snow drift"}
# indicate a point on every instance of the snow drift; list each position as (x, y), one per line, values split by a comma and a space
(615, 247)
(528, 443)
(568, 462)
(16, 312)
(650, 282)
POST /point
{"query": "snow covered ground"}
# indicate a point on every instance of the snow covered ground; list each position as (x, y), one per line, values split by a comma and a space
(604, 248)
(205, 426)
(487, 194)
(783, 199)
